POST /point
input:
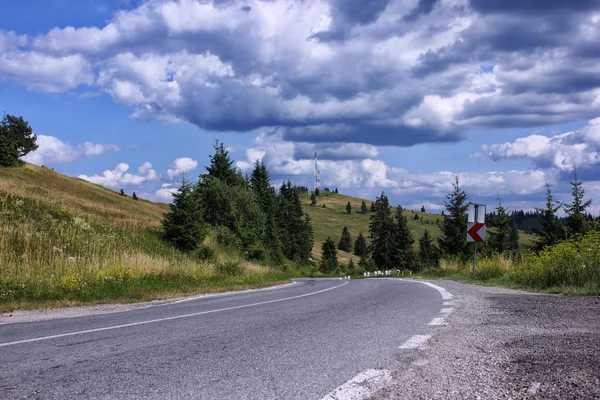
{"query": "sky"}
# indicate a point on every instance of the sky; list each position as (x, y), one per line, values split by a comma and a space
(395, 96)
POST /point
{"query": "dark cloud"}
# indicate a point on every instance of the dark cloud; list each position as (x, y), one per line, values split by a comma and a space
(334, 151)
(533, 6)
(424, 7)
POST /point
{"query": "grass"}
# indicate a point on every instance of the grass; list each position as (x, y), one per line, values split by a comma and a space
(67, 241)
(330, 220)
(570, 267)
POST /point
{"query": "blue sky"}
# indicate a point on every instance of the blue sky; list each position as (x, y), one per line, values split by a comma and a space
(397, 96)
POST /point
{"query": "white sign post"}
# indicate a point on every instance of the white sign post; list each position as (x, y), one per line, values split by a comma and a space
(476, 228)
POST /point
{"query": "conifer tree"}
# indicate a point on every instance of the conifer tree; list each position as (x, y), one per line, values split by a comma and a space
(513, 239)
(428, 252)
(183, 225)
(454, 227)
(122, 192)
(422, 209)
(349, 208)
(382, 232)
(317, 192)
(221, 167)
(551, 231)
(404, 240)
(372, 207)
(576, 220)
(260, 183)
(363, 208)
(329, 261)
(313, 200)
(134, 196)
(345, 243)
(360, 246)
(16, 140)
(500, 240)
(336, 191)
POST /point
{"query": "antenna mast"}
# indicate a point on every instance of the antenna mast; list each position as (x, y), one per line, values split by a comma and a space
(317, 174)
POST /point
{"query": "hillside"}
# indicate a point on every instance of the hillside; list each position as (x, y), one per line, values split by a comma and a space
(330, 220)
(65, 241)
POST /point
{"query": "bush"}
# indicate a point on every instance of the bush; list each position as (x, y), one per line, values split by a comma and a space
(229, 269)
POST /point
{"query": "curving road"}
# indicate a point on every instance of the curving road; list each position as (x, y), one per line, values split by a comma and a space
(300, 341)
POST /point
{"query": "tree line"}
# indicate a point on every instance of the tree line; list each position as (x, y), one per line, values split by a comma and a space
(246, 212)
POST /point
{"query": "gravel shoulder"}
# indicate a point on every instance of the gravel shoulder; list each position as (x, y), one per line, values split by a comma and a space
(507, 344)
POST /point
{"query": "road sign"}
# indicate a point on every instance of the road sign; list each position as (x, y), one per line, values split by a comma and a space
(476, 232)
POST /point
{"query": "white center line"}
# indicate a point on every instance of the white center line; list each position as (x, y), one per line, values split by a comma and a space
(447, 310)
(437, 321)
(108, 328)
(362, 386)
(415, 342)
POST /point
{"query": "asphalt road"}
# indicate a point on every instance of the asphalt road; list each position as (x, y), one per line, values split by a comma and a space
(296, 342)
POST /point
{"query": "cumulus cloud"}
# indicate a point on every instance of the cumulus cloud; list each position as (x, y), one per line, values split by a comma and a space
(52, 150)
(327, 72)
(565, 151)
(181, 166)
(118, 177)
(164, 195)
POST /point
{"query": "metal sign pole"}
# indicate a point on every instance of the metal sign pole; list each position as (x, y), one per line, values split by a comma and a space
(475, 251)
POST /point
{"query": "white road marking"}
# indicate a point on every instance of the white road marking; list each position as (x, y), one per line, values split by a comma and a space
(415, 342)
(446, 295)
(437, 321)
(447, 310)
(362, 386)
(449, 303)
(108, 328)
(204, 296)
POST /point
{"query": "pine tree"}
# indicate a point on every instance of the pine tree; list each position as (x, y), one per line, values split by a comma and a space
(313, 200)
(500, 240)
(183, 225)
(382, 232)
(329, 261)
(317, 192)
(551, 231)
(134, 196)
(513, 240)
(221, 167)
(349, 208)
(576, 222)
(260, 183)
(360, 246)
(428, 252)
(16, 140)
(336, 191)
(422, 209)
(363, 208)
(403, 240)
(454, 227)
(122, 192)
(372, 207)
(345, 243)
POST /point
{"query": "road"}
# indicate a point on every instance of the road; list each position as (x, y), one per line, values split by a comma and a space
(300, 341)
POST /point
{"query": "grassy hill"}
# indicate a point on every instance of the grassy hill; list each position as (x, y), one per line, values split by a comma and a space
(330, 220)
(65, 240)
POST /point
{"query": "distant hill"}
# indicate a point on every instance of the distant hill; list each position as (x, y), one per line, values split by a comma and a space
(330, 220)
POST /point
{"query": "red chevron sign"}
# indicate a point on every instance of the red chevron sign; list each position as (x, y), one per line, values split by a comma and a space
(476, 232)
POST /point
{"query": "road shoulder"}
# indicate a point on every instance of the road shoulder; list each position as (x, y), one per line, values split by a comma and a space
(502, 343)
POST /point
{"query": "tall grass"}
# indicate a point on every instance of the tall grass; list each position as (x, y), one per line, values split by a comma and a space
(49, 253)
(572, 266)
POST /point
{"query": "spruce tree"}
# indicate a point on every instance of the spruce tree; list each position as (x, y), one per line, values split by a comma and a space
(349, 208)
(313, 199)
(500, 240)
(122, 192)
(16, 140)
(329, 261)
(454, 228)
(382, 232)
(336, 191)
(576, 220)
(345, 243)
(513, 239)
(428, 252)
(260, 183)
(360, 246)
(363, 208)
(422, 209)
(221, 167)
(134, 196)
(404, 240)
(183, 225)
(372, 207)
(317, 192)
(551, 232)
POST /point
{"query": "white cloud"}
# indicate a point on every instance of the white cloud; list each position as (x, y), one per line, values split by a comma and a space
(564, 151)
(119, 178)
(181, 166)
(52, 150)
(164, 194)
